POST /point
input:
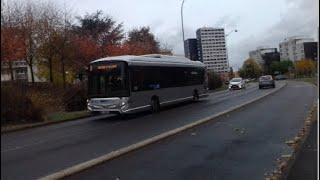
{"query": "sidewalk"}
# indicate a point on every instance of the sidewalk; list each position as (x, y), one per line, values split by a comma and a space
(305, 166)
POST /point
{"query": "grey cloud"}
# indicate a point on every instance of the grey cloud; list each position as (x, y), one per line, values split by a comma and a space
(301, 19)
(228, 22)
(173, 37)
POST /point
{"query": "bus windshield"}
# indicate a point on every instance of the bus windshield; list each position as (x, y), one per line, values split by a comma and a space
(107, 79)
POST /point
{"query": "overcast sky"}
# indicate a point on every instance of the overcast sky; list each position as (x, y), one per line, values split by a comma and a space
(259, 22)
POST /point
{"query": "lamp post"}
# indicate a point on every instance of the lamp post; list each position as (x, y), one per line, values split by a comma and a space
(235, 30)
(182, 25)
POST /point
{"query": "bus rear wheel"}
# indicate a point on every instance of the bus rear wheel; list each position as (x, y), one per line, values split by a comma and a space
(195, 96)
(155, 105)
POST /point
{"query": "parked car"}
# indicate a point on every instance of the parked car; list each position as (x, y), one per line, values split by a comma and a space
(266, 81)
(237, 83)
(281, 77)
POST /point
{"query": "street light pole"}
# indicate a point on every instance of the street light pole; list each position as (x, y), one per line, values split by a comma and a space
(235, 30)
(182, 23)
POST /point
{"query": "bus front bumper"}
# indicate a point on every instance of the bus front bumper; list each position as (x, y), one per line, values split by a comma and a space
(111, 105)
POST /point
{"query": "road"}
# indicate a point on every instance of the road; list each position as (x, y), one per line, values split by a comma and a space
(37, 152)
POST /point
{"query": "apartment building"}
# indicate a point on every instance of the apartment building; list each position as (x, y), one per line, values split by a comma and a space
(306, 50)
(191, 49)
(263, 55)
(293, 48)
(212, 49)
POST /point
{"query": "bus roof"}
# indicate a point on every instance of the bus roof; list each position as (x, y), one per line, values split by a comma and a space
(153, 59)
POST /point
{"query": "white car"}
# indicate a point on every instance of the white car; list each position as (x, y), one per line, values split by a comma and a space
(237, 83)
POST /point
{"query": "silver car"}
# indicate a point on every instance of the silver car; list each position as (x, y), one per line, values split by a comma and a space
(266, 81)
(237, 83)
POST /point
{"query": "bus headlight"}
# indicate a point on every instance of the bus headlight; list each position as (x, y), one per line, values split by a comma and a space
(124, 101)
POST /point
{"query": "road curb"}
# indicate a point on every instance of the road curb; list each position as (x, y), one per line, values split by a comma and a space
(114, 154)
(34, 125)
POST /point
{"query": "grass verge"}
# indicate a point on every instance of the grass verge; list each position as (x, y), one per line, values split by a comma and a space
(63, 116)
(312, 80)
(49, 119)
(223, 87)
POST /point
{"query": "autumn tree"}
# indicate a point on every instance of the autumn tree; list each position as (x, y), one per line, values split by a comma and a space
(142, 41)
(11, 48)
(50, 22)
(12, 44)
(231, 73)
(102, 30)
(250, 69)
(165, 49)
(305, 67)
(87, 50)
(30, 32)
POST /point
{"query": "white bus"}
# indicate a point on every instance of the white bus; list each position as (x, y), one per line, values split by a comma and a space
(128, 84)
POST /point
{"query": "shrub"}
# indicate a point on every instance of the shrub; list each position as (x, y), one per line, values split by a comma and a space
(16, 106)
(75, 98)
(214, 80)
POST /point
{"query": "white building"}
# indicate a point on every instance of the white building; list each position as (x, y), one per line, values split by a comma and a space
(21, 71)
(212, 49)
(291, 48)
(258, 54)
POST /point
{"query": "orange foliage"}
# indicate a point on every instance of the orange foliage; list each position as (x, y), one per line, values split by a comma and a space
(305, 67)
(87, 50)
(12, 44)
(117, 50)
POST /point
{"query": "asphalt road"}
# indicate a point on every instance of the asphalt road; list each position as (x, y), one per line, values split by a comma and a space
(37, 152)
(243, 144)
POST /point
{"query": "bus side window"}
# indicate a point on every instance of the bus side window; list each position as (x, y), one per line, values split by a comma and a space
(137, 79)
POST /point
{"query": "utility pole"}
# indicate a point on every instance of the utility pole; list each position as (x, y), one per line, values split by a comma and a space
(182, 25)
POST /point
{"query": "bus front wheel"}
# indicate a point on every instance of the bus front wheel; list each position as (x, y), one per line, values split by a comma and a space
(94, 113)
(155, 105)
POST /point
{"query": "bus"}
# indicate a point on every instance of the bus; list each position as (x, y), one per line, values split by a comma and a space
(129, 84)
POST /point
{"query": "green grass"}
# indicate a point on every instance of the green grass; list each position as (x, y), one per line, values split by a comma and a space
(62, 116)
(312, 80)
(54, 117)
(223, 87)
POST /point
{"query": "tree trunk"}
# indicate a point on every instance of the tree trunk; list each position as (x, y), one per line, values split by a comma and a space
(30, 63)
(50, 70)
(31, 71)
(63, 72)
(11, 70)
(29, 60)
